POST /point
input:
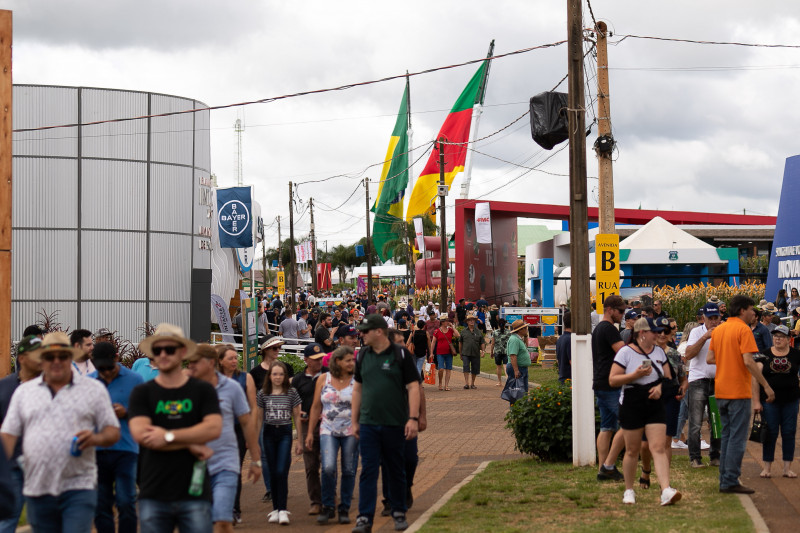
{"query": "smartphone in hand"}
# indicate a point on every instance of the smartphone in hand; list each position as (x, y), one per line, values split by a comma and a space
(647, 363)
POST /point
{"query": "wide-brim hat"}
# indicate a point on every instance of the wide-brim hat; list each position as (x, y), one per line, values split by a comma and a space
(271, 343)
(471, 316)
(58, 341)
(770, 308)
(518, 325)
(444, 316)
(167, 332)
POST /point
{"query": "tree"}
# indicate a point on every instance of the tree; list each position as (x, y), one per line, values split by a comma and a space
(399, 248)
(341, 258)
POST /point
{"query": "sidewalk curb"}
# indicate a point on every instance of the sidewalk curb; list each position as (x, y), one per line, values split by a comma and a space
(419, 522)
(758, 521)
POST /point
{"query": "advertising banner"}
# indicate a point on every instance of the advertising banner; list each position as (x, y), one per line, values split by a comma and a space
(483, 223)
(223, 318)
(784, 263)
(250, 333)
(606, 258)
(281, 282)
(234, 217)
(420, 235)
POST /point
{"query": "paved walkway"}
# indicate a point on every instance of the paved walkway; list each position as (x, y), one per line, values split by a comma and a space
(452, 447)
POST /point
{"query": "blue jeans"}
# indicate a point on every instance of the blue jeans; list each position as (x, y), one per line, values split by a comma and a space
(264, 462)
(735, 416)
(278, 445)
(608, 405)
(329, 450)
(420, 363)
(69, 512)
(116, 483)
(697, 402)
(780, 417)
(381, 444)
(189, 516)
(9, 525)
(223, 489)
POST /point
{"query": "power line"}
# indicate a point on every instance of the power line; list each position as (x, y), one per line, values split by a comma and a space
(693, 41)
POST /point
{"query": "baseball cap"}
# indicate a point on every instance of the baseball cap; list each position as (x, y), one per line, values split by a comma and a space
(711, 309)
(781, 329)
(313, 351)
(373, 321)
(29, 344)
(345, 330)
(662, 322)
(103, 354)
(630, 313)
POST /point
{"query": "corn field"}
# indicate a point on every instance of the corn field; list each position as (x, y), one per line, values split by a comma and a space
(682, 304)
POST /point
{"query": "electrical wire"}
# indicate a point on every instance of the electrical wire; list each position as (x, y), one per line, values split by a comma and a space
(693, 41)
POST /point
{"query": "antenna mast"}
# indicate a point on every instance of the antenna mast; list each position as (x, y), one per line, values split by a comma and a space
(238, 128)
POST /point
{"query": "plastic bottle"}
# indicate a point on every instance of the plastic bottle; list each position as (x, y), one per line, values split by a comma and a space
(198, 477)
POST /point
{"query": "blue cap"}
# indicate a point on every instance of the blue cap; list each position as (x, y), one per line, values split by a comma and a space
(711, 309)
(647, 324)
(313, 351)
(345, 330)
(631, 313)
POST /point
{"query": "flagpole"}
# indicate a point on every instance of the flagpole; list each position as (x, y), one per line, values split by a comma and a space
(477, 111)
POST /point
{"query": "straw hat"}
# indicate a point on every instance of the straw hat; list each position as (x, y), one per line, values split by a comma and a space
(271, 343)
(167, 332)
(472, 316)
(518, 325)
(58, 341)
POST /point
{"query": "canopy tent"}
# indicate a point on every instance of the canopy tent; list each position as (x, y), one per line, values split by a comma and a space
(659, 242)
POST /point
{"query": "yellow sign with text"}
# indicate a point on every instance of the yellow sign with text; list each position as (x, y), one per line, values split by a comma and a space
(606, 257)
(281, 282)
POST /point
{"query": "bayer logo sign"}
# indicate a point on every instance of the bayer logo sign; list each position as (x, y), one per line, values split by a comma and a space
(234, 217)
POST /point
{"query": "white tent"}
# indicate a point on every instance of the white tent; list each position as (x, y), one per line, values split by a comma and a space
(659, 242)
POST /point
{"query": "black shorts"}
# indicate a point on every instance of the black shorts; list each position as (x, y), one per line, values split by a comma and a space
(637, 410)
(501, 359)
(472, 364)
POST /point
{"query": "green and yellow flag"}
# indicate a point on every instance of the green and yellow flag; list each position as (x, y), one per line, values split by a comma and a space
(388, 207)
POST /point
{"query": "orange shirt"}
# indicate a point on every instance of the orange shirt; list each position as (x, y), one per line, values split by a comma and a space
(729, 341)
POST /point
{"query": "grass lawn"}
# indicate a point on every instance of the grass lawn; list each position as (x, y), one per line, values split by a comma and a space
(530, 495)
(536, 374)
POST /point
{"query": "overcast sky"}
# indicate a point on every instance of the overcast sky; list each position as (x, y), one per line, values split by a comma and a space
(699, 127)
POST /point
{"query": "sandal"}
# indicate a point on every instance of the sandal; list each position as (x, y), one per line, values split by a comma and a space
(790, 474)
(473, 387)
(440, 388)
(466, 386)
(447, 388)
(645, 483)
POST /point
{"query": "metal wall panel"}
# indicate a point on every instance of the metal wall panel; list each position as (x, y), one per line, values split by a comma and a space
(170, 267)
(177, 314)
(113, 265)
(35, 107)
(123, 317)
(114, 194)
(171, 137)
(44, 265)
(45, 193)
(170, 198)
(24, 314)
(116, 140)
(202, 138)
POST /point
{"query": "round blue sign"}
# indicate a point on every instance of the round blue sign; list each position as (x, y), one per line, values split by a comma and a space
(234, 217)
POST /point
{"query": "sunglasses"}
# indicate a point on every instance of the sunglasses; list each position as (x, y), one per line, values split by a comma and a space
(169, 350)
(61, 356)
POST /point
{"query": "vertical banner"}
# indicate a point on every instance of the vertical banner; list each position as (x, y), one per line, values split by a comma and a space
(249, 334)
(483, 223)
(281, 282)
(223, 318)
(309, 251)
(420, 234)
(234, 217)
(606, 258)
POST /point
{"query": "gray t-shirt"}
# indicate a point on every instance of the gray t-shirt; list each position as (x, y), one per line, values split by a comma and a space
(288, 328)
(232, 404)
(301, 325)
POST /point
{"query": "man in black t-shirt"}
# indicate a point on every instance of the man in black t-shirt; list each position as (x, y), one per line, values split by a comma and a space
(322, 333)
(172, 418)
(606, 342)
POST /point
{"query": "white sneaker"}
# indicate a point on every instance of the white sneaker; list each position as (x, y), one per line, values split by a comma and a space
(273, 517)
(670, 496)
(630, 496)
(704, 445)
(679, 445)
(283, 518)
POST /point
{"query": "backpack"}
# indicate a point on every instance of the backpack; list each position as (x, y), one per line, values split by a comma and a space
(399, 354)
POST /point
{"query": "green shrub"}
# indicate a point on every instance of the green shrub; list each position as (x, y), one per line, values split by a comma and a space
(542, 423)
(297, 363)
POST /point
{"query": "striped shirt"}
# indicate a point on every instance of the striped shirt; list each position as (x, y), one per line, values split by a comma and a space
(278, 407)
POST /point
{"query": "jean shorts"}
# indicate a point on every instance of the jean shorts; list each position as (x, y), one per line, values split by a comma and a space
(223, 490)
(444, 362)
(608, 404)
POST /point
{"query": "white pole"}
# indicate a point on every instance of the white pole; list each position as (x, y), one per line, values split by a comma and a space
(477, 110)
(583, 442)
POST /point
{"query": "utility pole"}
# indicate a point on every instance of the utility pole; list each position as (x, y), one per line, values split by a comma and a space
(280, 248)
(578, 212)
(369, 249)
(314, 287)
(604, 147)
(292, 258)
(445, 252)
(6, 90)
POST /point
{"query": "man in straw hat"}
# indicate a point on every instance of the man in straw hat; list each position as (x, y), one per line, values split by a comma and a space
(519, 359)
(472, 344)
(57, 414)
(29, 366)
(172, 418)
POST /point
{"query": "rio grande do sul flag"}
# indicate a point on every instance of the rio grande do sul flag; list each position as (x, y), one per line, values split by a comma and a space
(454, 130)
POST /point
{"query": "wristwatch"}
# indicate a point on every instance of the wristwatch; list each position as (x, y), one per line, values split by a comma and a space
(414, 418)
(257, 463)
(169, 437)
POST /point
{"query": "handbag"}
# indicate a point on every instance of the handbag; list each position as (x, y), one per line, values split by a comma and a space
(429, 373)
(513, 390)
(759, 428)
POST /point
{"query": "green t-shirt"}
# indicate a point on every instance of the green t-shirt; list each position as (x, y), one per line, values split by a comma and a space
(383, 379)
(517, 347)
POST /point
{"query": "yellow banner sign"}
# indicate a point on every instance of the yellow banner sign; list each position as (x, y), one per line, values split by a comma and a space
(606, 256)
(281, 282)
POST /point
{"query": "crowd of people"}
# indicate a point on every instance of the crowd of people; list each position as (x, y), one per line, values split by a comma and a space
(731, 363)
